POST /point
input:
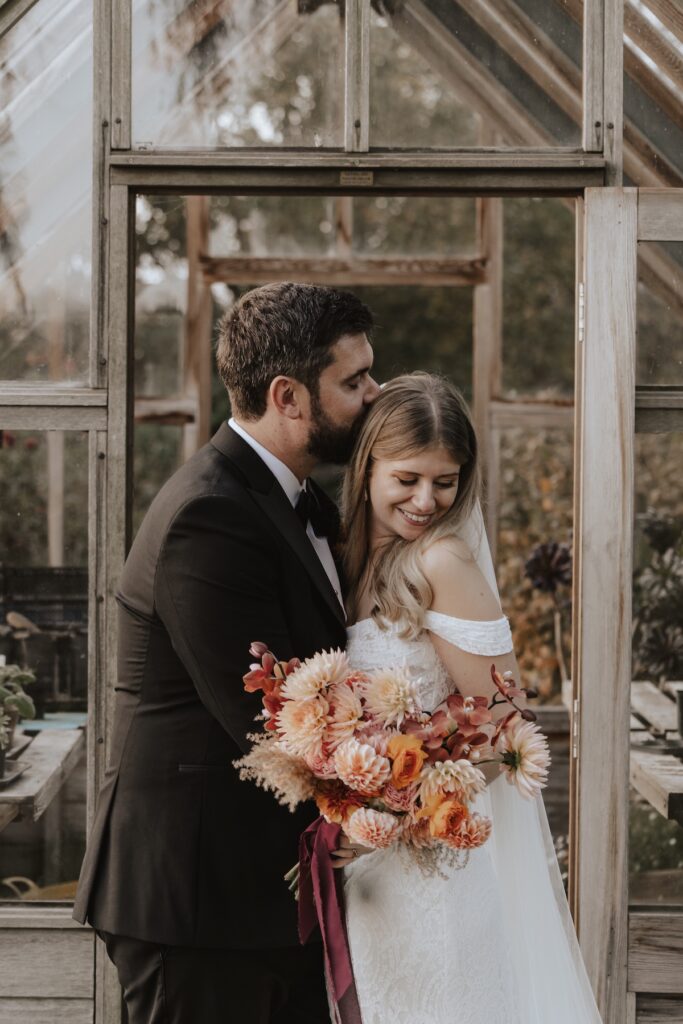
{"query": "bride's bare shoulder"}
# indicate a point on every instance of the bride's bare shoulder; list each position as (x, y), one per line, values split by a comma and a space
(458, 585)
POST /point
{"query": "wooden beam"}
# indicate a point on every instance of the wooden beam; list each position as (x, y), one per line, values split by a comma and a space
(171, 411)
(660, 215)
(669, 13)
(56, 417)
(532, 415)
(355, 270)
(658, 710)
(197, 357)
(592, 21)
(13, 11)
(356, 76)
(604, 482)
(654, 44)
(51, 393)
(659, 780)
(121, 73)
(655, 952)
(653, 1009)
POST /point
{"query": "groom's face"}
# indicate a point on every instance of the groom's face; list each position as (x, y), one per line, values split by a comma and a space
(345, 393)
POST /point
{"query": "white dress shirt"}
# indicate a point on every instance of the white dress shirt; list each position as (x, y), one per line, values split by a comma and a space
(293, 488)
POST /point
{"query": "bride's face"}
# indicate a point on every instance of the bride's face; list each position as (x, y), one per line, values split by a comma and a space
(408, 495)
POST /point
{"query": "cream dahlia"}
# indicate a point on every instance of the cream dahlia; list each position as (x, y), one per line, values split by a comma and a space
(390, 695)
(345, 715)
(372, 828)
(316, 674)
(452, 777)
(525, 757)
(361, 768)
(302, 724)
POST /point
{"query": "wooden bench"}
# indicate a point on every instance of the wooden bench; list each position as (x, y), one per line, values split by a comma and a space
(654, 772)
(51, 755)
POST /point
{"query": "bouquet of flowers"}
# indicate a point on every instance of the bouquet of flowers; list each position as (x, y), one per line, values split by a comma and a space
(375, 762)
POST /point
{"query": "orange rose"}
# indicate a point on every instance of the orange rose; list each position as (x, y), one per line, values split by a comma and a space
(407, 759)
(447, 819)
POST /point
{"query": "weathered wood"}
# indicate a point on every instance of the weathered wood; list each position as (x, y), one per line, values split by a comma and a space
(613, 110)
(669, 13)
(196, 386)
(593, 19)
(8, 813)
(38, 916)
(534, 415)
(630, 1008)
(175, 411)
(602, 666)
(487, 338)
(97, 680)
(356, 75)
(658, 710)
(347, 271)
(11, 12)
(101, 140)
(119, 442)
(55, 497)
(658, 1010)
(518, 177)
(46, 1011)
(51, 394)
(26, 417)
(655, 952)
(654, 44)
(121, 73)
(659, 779)
(52, 755)
(37, 963)
(660, 215)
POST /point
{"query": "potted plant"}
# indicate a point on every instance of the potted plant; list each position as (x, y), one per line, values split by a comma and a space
(15, 703)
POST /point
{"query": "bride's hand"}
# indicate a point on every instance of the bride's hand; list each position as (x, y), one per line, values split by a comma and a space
(347, 851)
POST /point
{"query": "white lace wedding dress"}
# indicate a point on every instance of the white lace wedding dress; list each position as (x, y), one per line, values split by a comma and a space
(491, 944)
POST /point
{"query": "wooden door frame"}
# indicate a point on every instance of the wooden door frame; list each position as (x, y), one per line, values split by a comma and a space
(615, 219)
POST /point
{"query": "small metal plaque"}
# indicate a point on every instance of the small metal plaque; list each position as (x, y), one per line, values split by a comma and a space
(356, 178)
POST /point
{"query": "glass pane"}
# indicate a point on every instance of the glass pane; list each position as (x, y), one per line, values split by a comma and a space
(272, 226)
(538, 299)
(157, 455)
(659, 352)
(45, 189)
(44, 628)
(535, 512)
(656, 826)
(452, 75)
(414, 225)
(653, 93)
(257, 73)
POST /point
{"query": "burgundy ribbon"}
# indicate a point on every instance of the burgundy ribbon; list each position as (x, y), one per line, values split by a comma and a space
(321, 903)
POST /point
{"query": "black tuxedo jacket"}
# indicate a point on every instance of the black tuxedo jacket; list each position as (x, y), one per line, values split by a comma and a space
(182, 852)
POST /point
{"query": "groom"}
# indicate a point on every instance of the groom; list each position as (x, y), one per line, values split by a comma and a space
(183, 876)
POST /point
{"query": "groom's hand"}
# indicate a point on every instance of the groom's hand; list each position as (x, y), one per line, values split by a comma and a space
(347, 851)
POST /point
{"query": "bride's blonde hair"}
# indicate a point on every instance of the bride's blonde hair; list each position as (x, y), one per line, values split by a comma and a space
(413, 413)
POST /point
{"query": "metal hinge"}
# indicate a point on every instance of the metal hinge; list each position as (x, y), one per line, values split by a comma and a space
(582, 312)
(575, 728)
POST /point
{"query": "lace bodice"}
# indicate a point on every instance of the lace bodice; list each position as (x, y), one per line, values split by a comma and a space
(369, 646)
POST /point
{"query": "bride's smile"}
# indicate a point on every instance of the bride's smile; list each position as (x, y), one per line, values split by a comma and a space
(410, 494)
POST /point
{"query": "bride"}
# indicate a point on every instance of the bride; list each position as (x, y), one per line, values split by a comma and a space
(488, 941)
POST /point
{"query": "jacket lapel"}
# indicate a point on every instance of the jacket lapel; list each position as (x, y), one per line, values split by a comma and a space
(267, 493)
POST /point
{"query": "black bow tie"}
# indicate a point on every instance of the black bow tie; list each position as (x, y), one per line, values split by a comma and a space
(309, 509)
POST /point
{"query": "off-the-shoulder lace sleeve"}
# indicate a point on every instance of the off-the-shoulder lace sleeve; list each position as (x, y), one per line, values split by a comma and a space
(489, 638)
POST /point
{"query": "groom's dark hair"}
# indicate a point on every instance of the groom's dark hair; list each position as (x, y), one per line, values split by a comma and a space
(286, 329)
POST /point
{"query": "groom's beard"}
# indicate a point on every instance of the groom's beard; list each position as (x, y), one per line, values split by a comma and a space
(328, 442)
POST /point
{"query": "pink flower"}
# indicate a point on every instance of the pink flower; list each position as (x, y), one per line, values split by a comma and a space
(472, 833)
(322, 765)
(525, 757)
(361, 768)
(372, 828)
(302, 725)
(346, 713)
(401, 800)
(468, 712)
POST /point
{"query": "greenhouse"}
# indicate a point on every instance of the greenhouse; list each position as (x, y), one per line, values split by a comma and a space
(501, 183)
